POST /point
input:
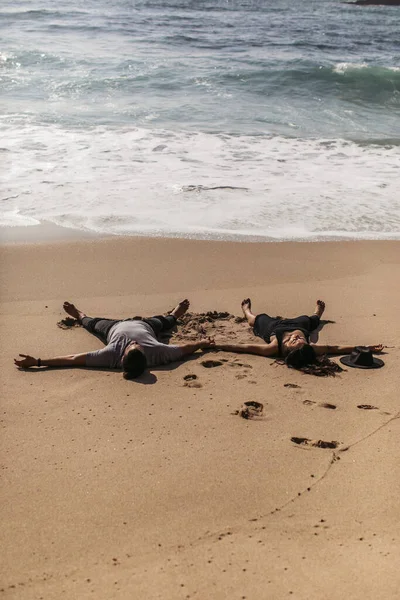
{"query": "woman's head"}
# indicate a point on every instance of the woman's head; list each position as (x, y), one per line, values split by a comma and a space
(305, 359)
(134, 362)
(294, 341)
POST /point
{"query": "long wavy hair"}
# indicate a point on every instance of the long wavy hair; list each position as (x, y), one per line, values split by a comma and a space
(305, 359)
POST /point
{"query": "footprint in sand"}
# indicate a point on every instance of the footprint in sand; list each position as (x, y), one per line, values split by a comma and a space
(209, 364)
(190, 377)
(291, 385)
(367, 407)
(315, 443)
(322, 404)
(250, 410)
(190, 381)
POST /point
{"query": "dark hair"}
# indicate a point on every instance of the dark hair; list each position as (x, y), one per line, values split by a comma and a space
(304, 359)
(134, 363)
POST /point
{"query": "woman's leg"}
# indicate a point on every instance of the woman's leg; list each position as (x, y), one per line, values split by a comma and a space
(249, 315)
(316, 317)
(308, 323)
(319, 308)
(263, 325)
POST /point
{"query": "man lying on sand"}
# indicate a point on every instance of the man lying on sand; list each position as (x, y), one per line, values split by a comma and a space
(131, 344)
(289, 340)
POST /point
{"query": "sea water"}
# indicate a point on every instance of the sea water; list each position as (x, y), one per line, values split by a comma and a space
(224, 119)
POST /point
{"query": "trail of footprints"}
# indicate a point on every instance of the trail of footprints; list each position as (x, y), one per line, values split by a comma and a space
(252, 409)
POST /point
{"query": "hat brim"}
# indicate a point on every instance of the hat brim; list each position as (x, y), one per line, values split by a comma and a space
(347, 360)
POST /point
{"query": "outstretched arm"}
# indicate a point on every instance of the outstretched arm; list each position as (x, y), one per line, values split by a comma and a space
(72, 360)
(193, 346)
(259, 349)
(337, 350)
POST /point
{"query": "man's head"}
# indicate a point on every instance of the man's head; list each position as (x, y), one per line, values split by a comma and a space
(134, 361)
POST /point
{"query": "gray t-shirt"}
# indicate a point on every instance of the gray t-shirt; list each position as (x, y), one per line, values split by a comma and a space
(125, 332)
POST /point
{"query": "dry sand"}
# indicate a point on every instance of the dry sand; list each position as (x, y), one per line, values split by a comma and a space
(153, 488)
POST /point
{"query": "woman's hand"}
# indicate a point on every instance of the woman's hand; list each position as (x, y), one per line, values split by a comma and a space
(377, 348)
(28, 361)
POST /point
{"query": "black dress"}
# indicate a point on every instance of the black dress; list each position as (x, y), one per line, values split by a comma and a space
(266, 326)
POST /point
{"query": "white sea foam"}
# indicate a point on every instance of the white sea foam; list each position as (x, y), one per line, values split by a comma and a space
(13, 218)
(343, 67)
(158, 182)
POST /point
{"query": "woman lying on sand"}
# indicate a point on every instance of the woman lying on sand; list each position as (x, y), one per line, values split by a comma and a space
(288, 339)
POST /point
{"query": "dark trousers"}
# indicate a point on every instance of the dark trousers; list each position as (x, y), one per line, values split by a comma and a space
(101, 327)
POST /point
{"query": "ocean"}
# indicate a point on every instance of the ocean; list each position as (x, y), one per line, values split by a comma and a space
(222, 119)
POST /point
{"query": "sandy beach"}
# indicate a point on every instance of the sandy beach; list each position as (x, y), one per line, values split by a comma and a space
(155, 488)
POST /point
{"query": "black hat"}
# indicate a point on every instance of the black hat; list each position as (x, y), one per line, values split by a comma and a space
(362, 358)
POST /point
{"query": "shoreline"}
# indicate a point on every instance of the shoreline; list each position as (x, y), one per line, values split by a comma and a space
(43, 233)
(48, 232)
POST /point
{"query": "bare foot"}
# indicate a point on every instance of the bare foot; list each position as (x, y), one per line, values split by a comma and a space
(74, 312)
(181, 308)
(319, 309)
(246, 308)
(246, 305)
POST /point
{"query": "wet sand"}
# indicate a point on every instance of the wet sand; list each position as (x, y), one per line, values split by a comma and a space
(157, 488)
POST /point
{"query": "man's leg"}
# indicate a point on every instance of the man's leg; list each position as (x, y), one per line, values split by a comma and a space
(180, 309)
(161, 323)
(74, 312)
(97, 326)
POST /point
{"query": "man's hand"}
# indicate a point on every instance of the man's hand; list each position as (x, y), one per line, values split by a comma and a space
(191, 347)
(26, 362)
(377, 348)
